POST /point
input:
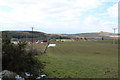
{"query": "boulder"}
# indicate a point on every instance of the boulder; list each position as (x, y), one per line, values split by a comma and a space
(7, 74)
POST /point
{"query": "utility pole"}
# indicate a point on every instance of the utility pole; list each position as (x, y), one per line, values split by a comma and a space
(114, 35)
(32, 37)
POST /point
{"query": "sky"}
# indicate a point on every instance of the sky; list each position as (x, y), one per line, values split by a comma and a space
(59, 16)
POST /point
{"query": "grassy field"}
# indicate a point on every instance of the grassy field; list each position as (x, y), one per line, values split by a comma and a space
(83, 59)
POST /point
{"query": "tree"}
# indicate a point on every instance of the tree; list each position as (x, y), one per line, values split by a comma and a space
(17, 59)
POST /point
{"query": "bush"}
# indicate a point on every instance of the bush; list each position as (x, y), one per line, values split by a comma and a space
(19, 60)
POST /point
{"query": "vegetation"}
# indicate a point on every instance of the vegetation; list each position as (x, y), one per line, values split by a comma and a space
(73, 59)
(17, 59)
(81, 59)
(28, 35)
(25, 34)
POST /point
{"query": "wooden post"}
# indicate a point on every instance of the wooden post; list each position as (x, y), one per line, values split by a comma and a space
(46, 48)
(48, 40)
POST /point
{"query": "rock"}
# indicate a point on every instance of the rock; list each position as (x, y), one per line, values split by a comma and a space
(7, 74)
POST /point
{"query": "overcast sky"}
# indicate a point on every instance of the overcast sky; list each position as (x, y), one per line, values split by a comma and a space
(59, 16)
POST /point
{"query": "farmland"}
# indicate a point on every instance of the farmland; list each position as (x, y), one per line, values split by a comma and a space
(80, 59)
(74, 57)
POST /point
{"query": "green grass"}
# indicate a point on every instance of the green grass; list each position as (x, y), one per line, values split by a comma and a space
(81, 60)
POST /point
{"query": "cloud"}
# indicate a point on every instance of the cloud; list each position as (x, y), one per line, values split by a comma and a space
(113, 11)
(29, 10)
(53, 15)
(91, 20)
(85, 4)
(95, 23)
(110, 1)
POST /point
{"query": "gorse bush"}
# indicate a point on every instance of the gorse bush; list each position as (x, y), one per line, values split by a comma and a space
(17, 59)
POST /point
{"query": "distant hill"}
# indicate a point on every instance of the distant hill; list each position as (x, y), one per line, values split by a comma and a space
(95, 34)
(25, 34)
(29, 34)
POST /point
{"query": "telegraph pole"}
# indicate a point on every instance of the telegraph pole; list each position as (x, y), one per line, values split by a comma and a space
(114, 35)
(32, 36)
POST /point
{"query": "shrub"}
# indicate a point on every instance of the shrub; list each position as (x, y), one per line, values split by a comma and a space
(19, 60)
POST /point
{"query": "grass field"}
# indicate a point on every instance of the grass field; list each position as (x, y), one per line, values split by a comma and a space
(83, 59)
